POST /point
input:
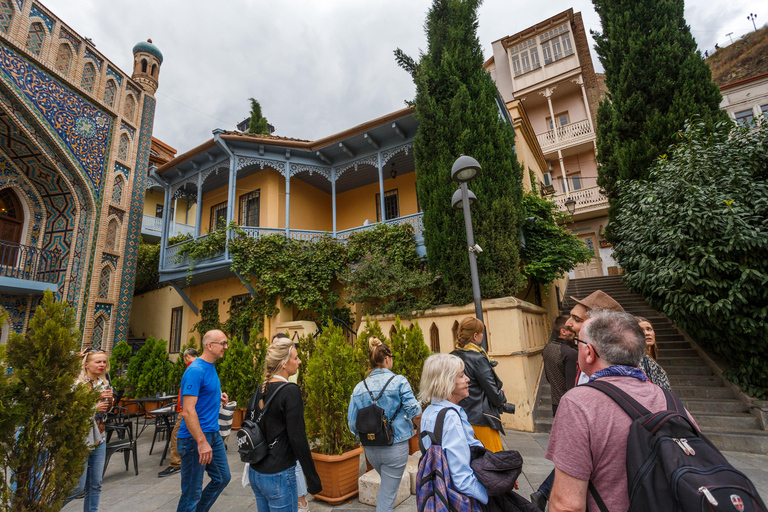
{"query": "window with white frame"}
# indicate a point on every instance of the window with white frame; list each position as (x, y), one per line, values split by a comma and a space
(764, 109)
(561, 120)
(525, 57)
(556, 44)
(745, 117)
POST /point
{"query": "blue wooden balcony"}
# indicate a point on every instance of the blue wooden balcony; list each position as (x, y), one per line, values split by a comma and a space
(28, 270)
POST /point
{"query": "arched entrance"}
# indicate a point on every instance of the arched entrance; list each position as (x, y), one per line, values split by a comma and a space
(11, 226)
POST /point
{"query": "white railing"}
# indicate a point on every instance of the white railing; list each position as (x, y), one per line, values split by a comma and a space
(568, 134)
(151, 225)
(172, 254)
(587, 199)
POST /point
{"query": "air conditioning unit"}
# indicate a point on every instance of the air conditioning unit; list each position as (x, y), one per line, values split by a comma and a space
(547, 188)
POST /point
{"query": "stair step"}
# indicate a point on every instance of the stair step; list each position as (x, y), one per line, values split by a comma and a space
(672, 345)
(545, 402)
(698, 406)
(681, 361)
(686, 391)
(684, 371)
(680, 352)
(543, 425)
(736, 440)
(723, 421)
(693, 380)
(544, 413)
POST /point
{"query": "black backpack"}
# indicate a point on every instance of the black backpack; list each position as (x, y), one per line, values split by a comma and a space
(671, 466)
(251, 445)
(373, 427)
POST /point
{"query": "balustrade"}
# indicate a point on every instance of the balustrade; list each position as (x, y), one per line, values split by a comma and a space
(586, 199)
(29, 263)
(568, 134)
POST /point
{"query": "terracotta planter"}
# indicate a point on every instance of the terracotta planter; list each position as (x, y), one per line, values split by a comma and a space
(413, 443)
(338, 474)
(132, 408)
(237, 418)
(151, 406)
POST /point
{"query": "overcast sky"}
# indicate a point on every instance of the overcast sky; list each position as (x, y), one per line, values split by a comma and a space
(317, 66)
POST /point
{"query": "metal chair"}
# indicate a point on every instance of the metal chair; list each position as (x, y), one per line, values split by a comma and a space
(162, 428)
(119, 423)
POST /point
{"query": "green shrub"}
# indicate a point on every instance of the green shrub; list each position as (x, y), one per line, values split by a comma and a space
(149, 370)
(361, 349)
(693, 239)
(330, 378)
(46, 455)
(177, 370)
(147, 268)
(118, 367)
(238, 379)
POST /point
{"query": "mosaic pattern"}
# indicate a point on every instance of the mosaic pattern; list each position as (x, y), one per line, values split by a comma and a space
(60, 107)
(116, 212)
(111, 235)
(98, 332)
(63, 59)
(95, 58)
(123, 169)
(20, 3)
(131, 249)
(89, 77)
(101, 307)
(10, 177)
(6, 15)
(35, 12)
(106, 277)
(117, 190)
(35, 38)
(75, 42)
(109, 92)
(125, 126)
(109, 258)
(130, 108)
(134, 89)
(122, 148)
(114, 74)
(16, 307)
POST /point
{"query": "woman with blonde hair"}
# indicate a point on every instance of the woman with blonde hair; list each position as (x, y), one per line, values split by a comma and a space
(486, 398)
(93, 374)
(394, 395)
(273, 479)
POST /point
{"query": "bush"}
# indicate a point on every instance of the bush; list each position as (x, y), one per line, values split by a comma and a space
(329, 381)
(118, 367)
(147, 268)
(238, 379)
(46, 454)
(693, 239)
(149, 369)
(177, 370)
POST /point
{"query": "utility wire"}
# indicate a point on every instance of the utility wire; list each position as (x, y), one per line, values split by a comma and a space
(230, 123)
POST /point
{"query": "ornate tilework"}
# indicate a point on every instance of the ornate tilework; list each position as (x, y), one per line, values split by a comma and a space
(112, 229)
(106, 277)
(128, 128)
(102, 307)
(89, 77)
(109, 258)
(63, 59)
(10, 177)
(117, 190)
(129, 109)
(109, 92)
(122, 148)
(6, 15)
(95, 58)
(131, 248)
(36, 12)
(134, 89)
(116, 212)
(98, 332)
(114, 74)
(35, 38)
(123, 169)
(20, 3)
(16, 307)
(64, 34)
(61, 108)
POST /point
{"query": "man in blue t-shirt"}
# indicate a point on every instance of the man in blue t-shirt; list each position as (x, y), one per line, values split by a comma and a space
(198, 442)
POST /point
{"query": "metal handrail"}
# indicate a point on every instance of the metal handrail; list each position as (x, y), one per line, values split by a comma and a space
(30, 263)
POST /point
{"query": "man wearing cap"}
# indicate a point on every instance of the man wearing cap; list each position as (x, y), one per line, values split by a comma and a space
(588, 442)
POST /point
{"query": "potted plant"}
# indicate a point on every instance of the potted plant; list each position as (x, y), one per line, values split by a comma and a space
(118, 367)
(149, 370)
(331, 376)
(238, 378)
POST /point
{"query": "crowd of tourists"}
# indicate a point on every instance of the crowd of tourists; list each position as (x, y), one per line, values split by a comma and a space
(604, 377)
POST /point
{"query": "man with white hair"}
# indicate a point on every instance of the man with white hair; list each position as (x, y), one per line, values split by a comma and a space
(588, 442)
(199, 442)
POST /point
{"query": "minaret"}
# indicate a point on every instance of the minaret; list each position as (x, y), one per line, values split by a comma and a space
(147, 60)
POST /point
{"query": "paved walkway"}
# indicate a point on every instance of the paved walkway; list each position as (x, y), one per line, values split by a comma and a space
(125, 492)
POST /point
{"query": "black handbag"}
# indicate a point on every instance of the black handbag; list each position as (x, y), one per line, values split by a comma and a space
(373, 427)
(251, 445)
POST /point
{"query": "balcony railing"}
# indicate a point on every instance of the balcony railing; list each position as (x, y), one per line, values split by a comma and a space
(154, 226)
(587, 200)
(29, 263)
(566, 135)
(415, 220)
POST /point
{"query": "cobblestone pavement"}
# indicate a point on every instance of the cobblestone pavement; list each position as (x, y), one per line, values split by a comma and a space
(125, 492)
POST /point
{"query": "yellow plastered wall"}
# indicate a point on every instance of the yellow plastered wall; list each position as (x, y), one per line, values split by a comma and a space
(151, 313)
(311, 208)
(355, 206)
(222, 290)
(267, 181)
(153, 199)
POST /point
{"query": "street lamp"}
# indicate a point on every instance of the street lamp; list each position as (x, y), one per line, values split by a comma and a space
(752, 17)
(465, 169)
(570, 205)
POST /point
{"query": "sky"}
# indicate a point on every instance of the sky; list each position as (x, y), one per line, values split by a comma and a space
(316, 66)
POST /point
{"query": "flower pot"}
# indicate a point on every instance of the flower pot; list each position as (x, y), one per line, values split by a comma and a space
(338, 474)
(151, 406)
(413, 443)
(130, 407)
(237, 419)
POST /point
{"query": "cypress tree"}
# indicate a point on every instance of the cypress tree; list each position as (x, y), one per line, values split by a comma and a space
(456, 105)
(258, 123)
(656, 80)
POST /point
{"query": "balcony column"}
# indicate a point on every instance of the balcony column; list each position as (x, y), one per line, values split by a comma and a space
(548, 95)
(166, 226)
(199, 211)
(232, 182)
(562, 169)
(175, 209)
(381, 189)
(333, 198)
(287, 199)
(580, 81)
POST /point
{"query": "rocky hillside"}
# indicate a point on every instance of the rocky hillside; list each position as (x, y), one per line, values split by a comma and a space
(745, 58)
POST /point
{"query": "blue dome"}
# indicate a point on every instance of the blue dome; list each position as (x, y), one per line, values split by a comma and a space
(149, 48)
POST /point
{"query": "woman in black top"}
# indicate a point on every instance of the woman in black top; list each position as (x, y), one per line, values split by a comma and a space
(273, 479)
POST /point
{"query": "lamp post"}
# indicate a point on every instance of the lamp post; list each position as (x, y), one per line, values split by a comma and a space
(465, 169)
(752, 17)
(570, 205)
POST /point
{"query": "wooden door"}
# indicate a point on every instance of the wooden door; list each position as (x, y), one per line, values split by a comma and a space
(595, 266)
(11, 224)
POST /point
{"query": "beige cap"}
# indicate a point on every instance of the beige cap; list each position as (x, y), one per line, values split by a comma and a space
(599, 300)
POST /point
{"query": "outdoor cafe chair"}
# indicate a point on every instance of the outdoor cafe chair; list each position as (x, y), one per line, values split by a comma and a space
(163, 426)
(119, 423)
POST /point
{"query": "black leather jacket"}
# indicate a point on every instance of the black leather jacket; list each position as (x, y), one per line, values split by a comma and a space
(483, 405)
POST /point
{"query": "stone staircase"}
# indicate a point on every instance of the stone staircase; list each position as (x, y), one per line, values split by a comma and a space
(716, 407)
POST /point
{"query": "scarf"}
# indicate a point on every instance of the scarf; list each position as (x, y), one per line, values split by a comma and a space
(619, 370)
(472, 347)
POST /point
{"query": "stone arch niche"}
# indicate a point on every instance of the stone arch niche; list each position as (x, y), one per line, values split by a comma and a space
(105, 280)
(89, 77)
(35, 38)
(434, 338)
(6, 15)
(109, 92)
(129, 109)
(63, 59)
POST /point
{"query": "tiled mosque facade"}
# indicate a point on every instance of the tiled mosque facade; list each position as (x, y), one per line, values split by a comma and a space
(75, 135)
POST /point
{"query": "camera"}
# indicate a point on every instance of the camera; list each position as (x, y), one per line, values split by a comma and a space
(508, 408)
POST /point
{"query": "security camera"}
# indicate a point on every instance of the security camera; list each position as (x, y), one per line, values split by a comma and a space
(476, 249)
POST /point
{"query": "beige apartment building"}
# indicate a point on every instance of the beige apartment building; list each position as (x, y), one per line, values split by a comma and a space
(546, 71)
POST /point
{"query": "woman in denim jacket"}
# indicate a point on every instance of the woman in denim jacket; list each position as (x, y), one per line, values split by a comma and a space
(388, 461)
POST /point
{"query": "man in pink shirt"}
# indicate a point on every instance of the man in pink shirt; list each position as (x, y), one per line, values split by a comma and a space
(588, 442)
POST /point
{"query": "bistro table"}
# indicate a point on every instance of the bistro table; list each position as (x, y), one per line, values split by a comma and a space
(142, 402)
(165, 413)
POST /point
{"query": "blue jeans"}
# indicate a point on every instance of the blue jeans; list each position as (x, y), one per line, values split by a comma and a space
(90, 480)
(193, 497)
(275, 492)
(301, 483)
(389, 462)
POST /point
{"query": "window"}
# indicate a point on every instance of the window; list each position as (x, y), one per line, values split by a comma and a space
(175, 342)
(249, 209)
(525, 57)
(455, 331)
(143, 65)
(391, 205)
(35, 38)
(556, 44)
(567, 48)
(745, 117)
(557, 49)
(89, 76)
(117, 190)
(764, 109)
(130, 108)
(218, 216)
(561, 119)
(434, 338)
(63, 59)
(159, 211)
(109, 92)
(547, 53)
(576, 182)
(516, 65)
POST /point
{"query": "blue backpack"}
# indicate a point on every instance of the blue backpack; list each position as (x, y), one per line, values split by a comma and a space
(433, 481)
